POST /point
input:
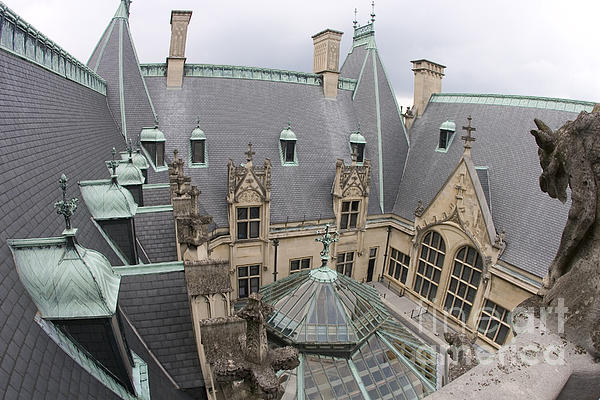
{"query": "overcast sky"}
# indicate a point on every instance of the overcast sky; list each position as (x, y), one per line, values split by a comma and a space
(541, 48)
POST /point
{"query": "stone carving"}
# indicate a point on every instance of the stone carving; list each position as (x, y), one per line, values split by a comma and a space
(249, 178)
(462, 353)
(250, 360)
(420, 210)
(355, 180)
(569, 157)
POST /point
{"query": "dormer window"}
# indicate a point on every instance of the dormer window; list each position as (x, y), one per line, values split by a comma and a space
(153, 141)
(446, 135)
(198, 147)
(357, 146)
(287, 141)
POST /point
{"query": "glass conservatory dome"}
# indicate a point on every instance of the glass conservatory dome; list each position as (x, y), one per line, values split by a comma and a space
(350, 346)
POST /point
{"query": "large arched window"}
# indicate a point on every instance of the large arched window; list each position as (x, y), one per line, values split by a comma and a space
(464, 282)
(429, 268)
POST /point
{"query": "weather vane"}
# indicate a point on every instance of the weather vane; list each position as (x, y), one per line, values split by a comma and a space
(65, 207)
(327, 239)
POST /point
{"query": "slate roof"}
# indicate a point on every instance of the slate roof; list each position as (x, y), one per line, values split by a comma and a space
(115, 59)
(157, 305)
(505, 145)
(156, 233)
(234, 112)
(156, 196)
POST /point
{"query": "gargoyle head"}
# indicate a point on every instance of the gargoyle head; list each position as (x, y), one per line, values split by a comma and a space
(554, 178)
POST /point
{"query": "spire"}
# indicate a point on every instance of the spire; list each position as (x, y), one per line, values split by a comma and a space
(327, 239)
(123, 10)
(65, 207)
(468, 138)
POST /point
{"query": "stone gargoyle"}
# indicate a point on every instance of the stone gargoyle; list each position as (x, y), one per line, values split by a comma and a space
(571, 157)
(462, 353)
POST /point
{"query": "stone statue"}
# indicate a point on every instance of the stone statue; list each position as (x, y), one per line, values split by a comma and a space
(571, 157)
(462, 353)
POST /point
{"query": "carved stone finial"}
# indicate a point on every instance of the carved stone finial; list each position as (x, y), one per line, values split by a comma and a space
(327, 239)
(468, 138)
(420, 209)
(249, 153)
(65, 207)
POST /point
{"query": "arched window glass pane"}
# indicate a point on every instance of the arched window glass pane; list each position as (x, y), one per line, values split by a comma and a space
(464, 282)
(429, 266)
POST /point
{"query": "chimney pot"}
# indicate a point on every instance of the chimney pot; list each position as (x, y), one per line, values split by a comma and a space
(176, 60)
(428, 80)
(327, 58)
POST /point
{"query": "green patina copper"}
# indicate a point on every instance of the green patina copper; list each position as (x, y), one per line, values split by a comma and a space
(288, 133)
(154, 268)
(20, 38)
(154, 209)
(242, 72)
(448, 126)
(65, 207)
(152, 134)
(123, 10)
(137, 157)
(327, 239)
(66, 280)
(106, 199)
(128, 174)
(197, 133)
(83, 359)
(357, 137)
(547, 103)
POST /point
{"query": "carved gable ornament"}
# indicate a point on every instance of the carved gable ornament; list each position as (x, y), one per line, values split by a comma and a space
(461, 202)
(353, 180)
(249, 184)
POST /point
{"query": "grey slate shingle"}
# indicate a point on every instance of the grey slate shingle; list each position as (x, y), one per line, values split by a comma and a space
(156, 233)
(532, 220)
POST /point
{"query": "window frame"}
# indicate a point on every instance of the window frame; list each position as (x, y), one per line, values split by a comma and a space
(248, 222)
(349, 214)
(421, 278)
(492, 316)
(300, 261)
(248, 278)
(283, 152)
(192, 153)
(398, 265)
(345, 263)
(474, 269)
(449, 138)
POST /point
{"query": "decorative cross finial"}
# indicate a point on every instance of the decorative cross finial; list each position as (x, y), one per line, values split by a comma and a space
(138, 145)
(355, 22)
(129, 148)
(249, 153)
(113, 163)
(326, 239)
(198, 122)
(65, 207)
(373, 11)
(156, 121)
(289, 124)
(468, 138)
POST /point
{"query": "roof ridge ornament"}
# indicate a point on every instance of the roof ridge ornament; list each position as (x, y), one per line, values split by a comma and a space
(468, 138)
(249, 153)
(113, 164)
(327, 239)
(373, 11)
(65, 207)
(355, 22)
(129, 149)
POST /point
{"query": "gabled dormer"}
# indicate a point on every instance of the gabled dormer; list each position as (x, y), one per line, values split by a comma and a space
(249, 197)
(351, 195)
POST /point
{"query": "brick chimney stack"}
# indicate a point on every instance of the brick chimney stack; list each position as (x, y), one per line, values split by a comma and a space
(428, 80)
(176, 60)
(327, 59)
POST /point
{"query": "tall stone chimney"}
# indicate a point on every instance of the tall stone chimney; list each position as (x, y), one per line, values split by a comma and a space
(327, 59)
(428, 80)
(176, 59)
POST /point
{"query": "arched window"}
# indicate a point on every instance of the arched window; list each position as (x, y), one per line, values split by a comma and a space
(464, 282)
(429, 268)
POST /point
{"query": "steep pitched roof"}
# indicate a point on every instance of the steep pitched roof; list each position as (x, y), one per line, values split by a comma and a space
(115, 59)
(504, 145)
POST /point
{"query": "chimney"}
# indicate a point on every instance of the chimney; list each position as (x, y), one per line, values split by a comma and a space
(428, 80)
(176, 59)
(327, 59)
